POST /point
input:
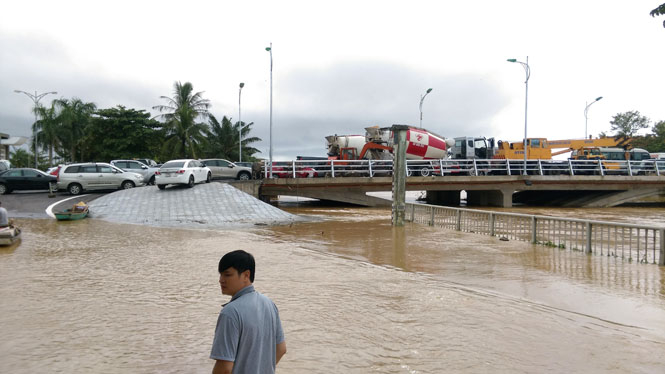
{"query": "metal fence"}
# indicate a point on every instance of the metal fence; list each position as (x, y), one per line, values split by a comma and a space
(644, 244)
(447, 167)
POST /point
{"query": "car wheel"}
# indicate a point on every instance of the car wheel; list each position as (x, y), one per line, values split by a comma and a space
(152, 181)
(127, 185)
(161, 186)
(190, 184)
(425, 172)
(409, 172)
(244, 176)
(75, 189)
(209, 178)
(3, 189)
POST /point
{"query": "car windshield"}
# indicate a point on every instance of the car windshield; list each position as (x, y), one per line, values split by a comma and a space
(173, 164)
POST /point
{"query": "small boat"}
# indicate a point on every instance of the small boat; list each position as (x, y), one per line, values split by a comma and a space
(9, 235)
(78, 211)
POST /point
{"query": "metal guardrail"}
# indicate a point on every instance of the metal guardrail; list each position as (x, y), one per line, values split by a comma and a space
(643, 244)
(446, 167)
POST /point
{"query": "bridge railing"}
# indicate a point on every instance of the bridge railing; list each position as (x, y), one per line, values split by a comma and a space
(447, 167)
(644, 244)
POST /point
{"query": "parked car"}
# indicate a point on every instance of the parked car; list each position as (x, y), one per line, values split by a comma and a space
(147, 161)
(25, 179)
(226, 169)
(245, 164)
(186, 171)
(77, 178)
(138, 167)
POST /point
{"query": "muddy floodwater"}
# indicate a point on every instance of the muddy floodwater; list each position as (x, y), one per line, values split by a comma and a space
(355, 296)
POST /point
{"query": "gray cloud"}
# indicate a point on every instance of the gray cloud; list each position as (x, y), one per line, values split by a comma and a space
(310, 104)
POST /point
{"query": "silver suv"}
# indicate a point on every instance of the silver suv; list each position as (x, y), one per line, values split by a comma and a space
(221, 168)
(137, 167)
(77, 178)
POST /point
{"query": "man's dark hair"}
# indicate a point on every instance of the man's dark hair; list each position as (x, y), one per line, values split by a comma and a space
(239, 260)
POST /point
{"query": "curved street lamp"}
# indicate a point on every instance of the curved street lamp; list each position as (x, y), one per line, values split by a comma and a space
(527, 70)
(586, 110)
(35, 99)
(269, 49)
(240, 124)
(422, 97)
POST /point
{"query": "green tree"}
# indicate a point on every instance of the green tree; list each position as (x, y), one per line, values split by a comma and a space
(184, 135)
(628, 123)
(654, 142)
(48, 129)
(74, 117)
(21, 158)
(118, 132)
(223, 140)
(659, 11)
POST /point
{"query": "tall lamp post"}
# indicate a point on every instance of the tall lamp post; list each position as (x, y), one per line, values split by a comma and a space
(586, 110)
(240, 124)
(35, 99)
(527, 70)
(422, 97)
(269, 49)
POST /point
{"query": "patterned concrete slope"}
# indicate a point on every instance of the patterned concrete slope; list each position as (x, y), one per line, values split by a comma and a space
(205, 206)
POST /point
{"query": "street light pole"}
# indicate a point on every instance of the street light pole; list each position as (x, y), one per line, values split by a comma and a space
(269, 49)
(527, 70)
(422, 97)
(240, 124)
(35, 99)
(586, 110)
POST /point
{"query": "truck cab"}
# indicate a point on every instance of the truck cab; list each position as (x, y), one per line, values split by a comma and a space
(467, 148)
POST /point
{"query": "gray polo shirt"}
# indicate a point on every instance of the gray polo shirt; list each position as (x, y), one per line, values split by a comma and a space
(248, 331)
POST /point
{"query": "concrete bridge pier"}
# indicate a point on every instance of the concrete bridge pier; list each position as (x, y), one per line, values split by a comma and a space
(500, 198)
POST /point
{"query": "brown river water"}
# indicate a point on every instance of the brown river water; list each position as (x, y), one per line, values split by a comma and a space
(355, 296)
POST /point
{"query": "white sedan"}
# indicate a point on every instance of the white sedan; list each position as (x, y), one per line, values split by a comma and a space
(187, 171)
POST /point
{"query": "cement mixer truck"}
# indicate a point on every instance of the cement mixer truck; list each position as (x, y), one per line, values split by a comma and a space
(378, 144)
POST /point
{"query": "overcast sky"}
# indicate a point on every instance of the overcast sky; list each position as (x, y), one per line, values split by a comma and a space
(341, 66)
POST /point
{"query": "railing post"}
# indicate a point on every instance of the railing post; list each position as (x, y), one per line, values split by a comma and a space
(370, 168)
(534, 226)
(441, 167)
(431, 218)
(508, 166)
(491, 224)
(293, 168)
(458, 226)
(540, 167)
(589, 228)
(661, 261)
(600, 165)
(630, 170)
(570, 166)
(475, 168)
(332, 168)
(413, 212)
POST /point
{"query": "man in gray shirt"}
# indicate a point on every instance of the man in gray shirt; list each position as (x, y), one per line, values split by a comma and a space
(249, 336)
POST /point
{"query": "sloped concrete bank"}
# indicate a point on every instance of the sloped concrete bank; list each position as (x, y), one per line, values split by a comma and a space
(211, 205)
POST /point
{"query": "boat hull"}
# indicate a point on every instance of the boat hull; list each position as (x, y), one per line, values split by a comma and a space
(9, 235)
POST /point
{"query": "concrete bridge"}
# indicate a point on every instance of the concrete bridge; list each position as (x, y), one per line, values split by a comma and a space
(500, 191)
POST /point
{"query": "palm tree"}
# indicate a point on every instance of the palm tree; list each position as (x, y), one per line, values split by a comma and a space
(223, 139)
(47, 129)
(184, 135)
(73, 118)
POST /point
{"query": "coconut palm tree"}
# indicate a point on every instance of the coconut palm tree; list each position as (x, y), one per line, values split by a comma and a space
(73, 117)
(184, 135)
(223, 139)
(47, 129)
